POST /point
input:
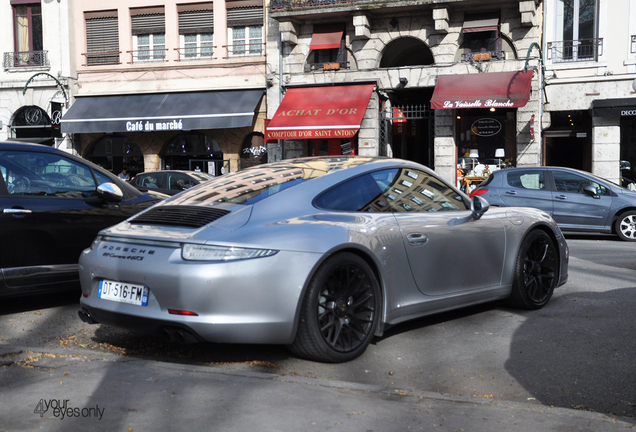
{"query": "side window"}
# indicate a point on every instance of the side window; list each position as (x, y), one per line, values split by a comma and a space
(574, 183)
(179, 181)
(101, 178)
(45, 174)
(416, 191)
(358, 194)
(527, 179)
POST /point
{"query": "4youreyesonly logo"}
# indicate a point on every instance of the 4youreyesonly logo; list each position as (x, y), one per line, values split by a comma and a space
(60, 408)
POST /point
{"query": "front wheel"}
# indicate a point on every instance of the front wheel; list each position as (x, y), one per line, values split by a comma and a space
(340, 311)
(626, 226)
(536, 272)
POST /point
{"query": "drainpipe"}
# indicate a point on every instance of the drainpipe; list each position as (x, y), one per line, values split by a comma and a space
(280, 83)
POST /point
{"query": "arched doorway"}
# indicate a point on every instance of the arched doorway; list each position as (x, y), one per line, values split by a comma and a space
(193, 151)
(405, 120)
(32, 123)
(117, 152)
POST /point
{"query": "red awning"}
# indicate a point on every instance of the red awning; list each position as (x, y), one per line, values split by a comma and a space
(480, 25)
(325, 40)
(320, 112)
(482, 90)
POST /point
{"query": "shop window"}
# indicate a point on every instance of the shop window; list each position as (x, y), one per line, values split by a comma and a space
(245, 31)
(196, 32)
(149, 35)
(576, 36)
(102, 38)
(194, 152)
(116, 152)
(27, 36)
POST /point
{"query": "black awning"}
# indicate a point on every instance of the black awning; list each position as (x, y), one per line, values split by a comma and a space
(162, 112)
(624, 107)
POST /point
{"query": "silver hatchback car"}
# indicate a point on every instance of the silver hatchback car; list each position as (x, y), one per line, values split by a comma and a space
(577, 200)
(319, 254)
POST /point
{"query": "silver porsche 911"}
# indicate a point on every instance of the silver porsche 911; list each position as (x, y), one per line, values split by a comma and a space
(319, 254)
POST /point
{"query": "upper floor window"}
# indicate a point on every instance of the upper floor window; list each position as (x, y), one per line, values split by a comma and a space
(196, 31)
(327, 47)
(102, 38)
(576, 35)
(27, 31)
(245, 28)
(482, 40)
(149, 35)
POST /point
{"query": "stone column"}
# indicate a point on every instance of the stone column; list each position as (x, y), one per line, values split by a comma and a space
(606, 148)
(368, 136)
(444, 145)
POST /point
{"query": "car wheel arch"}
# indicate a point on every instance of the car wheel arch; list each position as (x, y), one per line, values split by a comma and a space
(367, 257)
(618, 214)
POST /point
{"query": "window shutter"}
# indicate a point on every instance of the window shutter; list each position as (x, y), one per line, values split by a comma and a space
(196, 22)
(102, 36)
(147, 24)
(241, 17)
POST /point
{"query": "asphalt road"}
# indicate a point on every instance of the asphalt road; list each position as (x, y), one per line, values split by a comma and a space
(576, 353)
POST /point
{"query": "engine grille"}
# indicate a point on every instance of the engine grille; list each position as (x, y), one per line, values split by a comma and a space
(189, 216)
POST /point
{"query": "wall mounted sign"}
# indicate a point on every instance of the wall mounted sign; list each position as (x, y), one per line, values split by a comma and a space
(486, 127)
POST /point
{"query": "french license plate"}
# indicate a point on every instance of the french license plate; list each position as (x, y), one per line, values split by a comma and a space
(123, 292)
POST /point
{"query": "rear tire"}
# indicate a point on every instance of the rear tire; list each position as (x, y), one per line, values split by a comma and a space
(536, 272)
(340, 311)
(625, 226)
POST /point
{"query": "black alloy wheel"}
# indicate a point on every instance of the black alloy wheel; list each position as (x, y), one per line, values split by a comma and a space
(536, 272)
(340, 310)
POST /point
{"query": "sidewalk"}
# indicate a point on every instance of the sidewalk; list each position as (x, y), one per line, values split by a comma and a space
(78, 392)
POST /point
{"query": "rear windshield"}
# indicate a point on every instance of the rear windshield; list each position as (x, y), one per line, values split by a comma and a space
(245, 187)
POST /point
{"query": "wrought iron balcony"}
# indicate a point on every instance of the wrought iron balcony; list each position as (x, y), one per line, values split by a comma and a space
(149, 55)
(102, 58)
(196, 53)
(25, 59)
(575, 50)
(331, 66)
(483, 56)
(246, 50)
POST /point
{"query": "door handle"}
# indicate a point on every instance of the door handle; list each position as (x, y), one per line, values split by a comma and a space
(16, 211)
(561, 197)
(511, 192)
(416, 239)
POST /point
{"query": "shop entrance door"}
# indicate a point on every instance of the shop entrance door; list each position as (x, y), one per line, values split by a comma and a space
(405, 132)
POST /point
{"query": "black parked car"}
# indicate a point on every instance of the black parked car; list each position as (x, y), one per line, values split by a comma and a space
(53, 204)
(577, 200)
(169, 182)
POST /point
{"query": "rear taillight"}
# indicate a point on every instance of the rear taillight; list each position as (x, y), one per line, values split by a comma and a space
(478, 192)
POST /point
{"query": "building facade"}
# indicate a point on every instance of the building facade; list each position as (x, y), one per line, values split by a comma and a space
(590, 57)
(169, 84)
(37, 73)
(421, 80)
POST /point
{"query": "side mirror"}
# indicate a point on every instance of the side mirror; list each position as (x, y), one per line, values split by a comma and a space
(478, 206)
(591, 191)
(109, 192)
